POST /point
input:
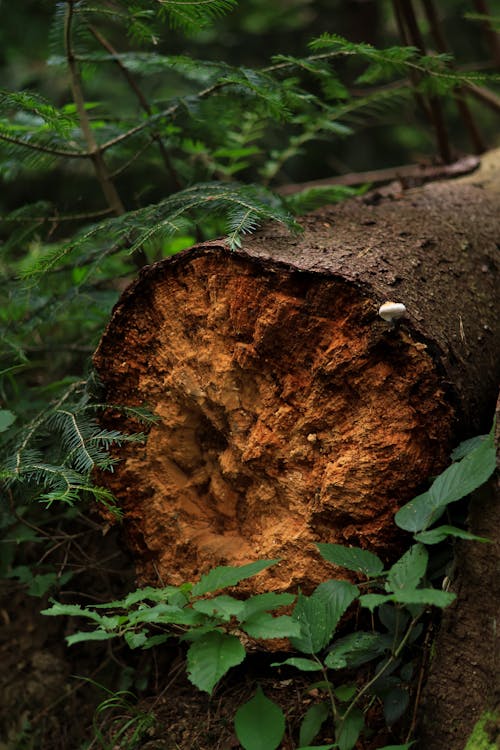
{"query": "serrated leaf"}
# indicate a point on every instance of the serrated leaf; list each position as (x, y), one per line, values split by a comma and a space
(350, 730)
(457, 481)
(211, 656)
(259, 723)
(166, 614)
(356, 649)
(264, 625)
(305, 665)
(264, 603)
(223, 606)
(371, 601)
(320, 613)
(409, 570)
(434, 597)
(352, 558)
(437, 535)
(312, 722)
(93, 635)
(228, 575)
(72, 610)
(135, 640)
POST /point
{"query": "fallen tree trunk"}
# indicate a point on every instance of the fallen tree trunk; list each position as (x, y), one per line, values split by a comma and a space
(289, 411)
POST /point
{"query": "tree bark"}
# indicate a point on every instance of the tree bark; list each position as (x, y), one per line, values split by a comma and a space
(464, 678)
(289, 411)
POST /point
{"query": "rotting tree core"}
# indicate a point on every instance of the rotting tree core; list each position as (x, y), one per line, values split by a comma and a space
(288, 412)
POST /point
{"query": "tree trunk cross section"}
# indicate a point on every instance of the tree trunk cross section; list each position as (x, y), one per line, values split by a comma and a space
(289, 412)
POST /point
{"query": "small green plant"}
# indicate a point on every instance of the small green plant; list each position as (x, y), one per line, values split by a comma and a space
(397, 599)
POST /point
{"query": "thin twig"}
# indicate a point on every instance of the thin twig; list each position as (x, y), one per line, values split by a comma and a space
(141, 98)
(407, 15)
(462, 106)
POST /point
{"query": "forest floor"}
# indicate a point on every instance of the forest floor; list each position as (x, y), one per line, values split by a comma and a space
(102, 695)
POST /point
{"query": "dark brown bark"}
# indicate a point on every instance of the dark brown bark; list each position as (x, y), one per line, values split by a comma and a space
(289, 411)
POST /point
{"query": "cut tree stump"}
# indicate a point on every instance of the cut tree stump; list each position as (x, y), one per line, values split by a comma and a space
(289, 411)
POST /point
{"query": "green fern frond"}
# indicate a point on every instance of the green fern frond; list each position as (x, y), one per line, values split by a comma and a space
(193, 14)
(314, 197)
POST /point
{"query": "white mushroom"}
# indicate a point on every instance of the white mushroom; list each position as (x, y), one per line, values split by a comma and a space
(391, 311)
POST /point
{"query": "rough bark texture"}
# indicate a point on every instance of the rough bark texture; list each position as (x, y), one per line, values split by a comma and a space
(289, 411)
(464, 679)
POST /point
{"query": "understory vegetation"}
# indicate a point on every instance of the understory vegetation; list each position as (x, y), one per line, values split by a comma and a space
(129, 131)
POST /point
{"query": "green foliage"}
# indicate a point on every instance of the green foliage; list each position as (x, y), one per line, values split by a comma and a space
(259, 723)
(211, 624)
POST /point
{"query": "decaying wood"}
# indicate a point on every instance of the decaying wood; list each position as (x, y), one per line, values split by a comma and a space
(289, 412)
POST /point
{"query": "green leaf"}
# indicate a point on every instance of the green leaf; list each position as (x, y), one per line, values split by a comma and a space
(228, 575)
(40, 584)
(211, 656)
(352, 558)
(135, 640)
(467, 446)
(305, 665)
(356, 649)
(396, 702)
(166, 614)
(320, 613)
(264, 625)
(371, 601)
(259, 723)
(72, 610)
(434, 536)
(406, 746)
(409, 570)
(350, 730)
(265, 602)
(434, 597)
(7, 418)
(457, 481)
(92, 635)
(312, 722)
(223, 606)
(345, 693)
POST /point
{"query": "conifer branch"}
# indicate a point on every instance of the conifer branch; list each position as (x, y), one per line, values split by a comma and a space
(44, 149)
(142, 101)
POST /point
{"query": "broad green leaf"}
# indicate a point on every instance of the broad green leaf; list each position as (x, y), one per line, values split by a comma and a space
(259, 723)
(424, 596)
(371, 601)
(345, 693)
(7, 418)
(352, 558)
(166, 614)
(210, 657)
(356, 649)
(395, 704)
(467, 446)
(457, 481)
(320, 613)
(264, 625)
(350, 730)
(305, 665)
(337, 596)
(264, 603)
(135, 640)
(228, 575)
(40, 584)
(434, 536)
(312, 722)
(409, 570)
(93, 635)
(72, 610)
(223, 606)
